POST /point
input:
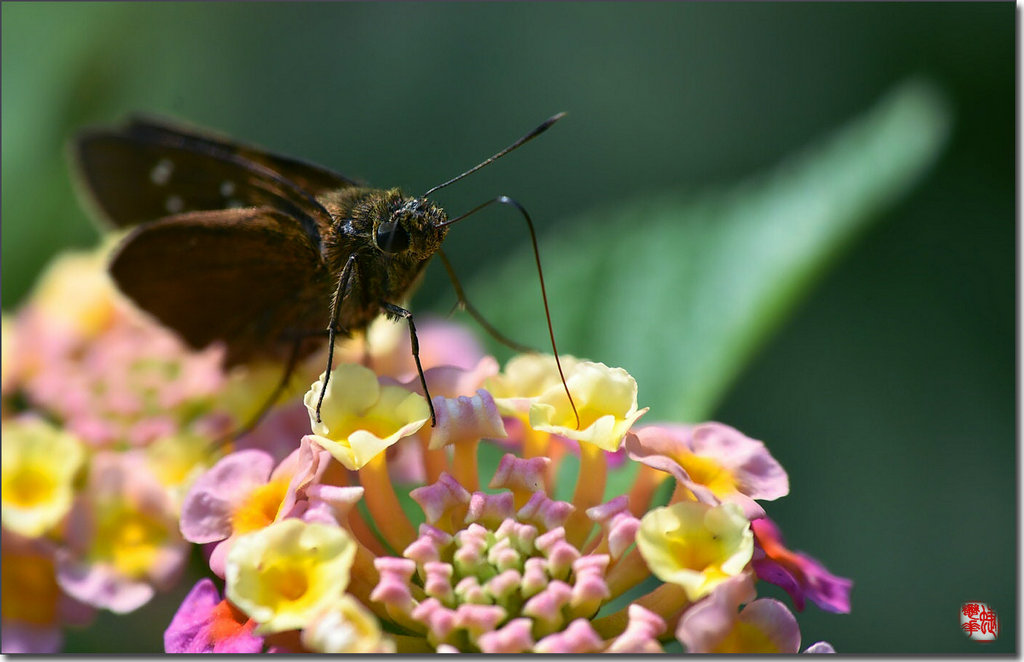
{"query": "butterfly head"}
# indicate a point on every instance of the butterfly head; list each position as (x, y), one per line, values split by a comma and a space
(412, 227)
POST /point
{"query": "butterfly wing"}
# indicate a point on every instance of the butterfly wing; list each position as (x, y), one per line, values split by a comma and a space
(249, 277)
(146, 171)
(307, 176)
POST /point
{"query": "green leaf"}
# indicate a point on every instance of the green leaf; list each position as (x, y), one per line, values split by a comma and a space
(682, 289)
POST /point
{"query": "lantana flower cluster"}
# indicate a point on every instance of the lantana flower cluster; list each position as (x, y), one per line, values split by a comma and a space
(380, 532)
(520, 522)
(107, 420)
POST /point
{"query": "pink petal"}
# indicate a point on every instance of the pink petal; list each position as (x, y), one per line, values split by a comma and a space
(479, 619)
(21, 638)
(546, 513)
(798, 574)
(579, 637)
(546, 606)
(490, 510)
(641, 634)
(513, 638)
(99, 586)
(393, 586)
(438, 580)
(514, 473)
(771, 617)
(706, 623)
(589, 588)
(440, 620)
(465, 419)
(440, 498)
(758, 474)
(429, 545)
(206, 511)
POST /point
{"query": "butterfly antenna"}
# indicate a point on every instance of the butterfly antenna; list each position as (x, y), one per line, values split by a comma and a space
(522, 141)
(505, 200)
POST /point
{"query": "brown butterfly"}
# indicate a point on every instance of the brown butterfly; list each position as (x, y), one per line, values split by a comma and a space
(265, 253)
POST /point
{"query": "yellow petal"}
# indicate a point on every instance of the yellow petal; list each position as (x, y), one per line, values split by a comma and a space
(695, 545)
(605, 400)
(359, 417)
(284, 574)
(346, 627)
(39, 466)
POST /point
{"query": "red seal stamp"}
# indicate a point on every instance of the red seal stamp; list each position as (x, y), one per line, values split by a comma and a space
(979, 621)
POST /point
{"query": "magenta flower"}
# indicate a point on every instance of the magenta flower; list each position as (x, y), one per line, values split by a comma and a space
(205, 623)
(798, 574)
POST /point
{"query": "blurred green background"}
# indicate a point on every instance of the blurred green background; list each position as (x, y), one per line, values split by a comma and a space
(888, 393)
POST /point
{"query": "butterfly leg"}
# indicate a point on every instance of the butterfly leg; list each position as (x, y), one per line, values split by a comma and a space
(474, 313)
(344, 284)
(293, 359)
(396, 313)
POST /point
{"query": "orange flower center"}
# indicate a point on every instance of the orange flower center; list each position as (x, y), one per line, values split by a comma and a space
(260, 508)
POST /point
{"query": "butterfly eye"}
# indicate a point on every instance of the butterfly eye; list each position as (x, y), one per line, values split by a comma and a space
(392, 237)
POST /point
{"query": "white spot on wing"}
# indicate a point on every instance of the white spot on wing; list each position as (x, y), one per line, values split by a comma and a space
(227, 188)
(161, 172)
(174, 204)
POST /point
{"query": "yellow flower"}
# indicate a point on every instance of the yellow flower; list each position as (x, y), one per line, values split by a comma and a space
(122, 536)
(39, 467)
(76, 293)
(605, 399)
(359, 417)
(130, 539)
(283, 575)
(346, 626)
(526, 377)
(177, 460)
(695, 545)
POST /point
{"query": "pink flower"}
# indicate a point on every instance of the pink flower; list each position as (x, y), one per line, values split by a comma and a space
(714, 461)
(243, 492)
(116, 390)
(204, 623)
(716, 624)
(522, 585)
(122, 536)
